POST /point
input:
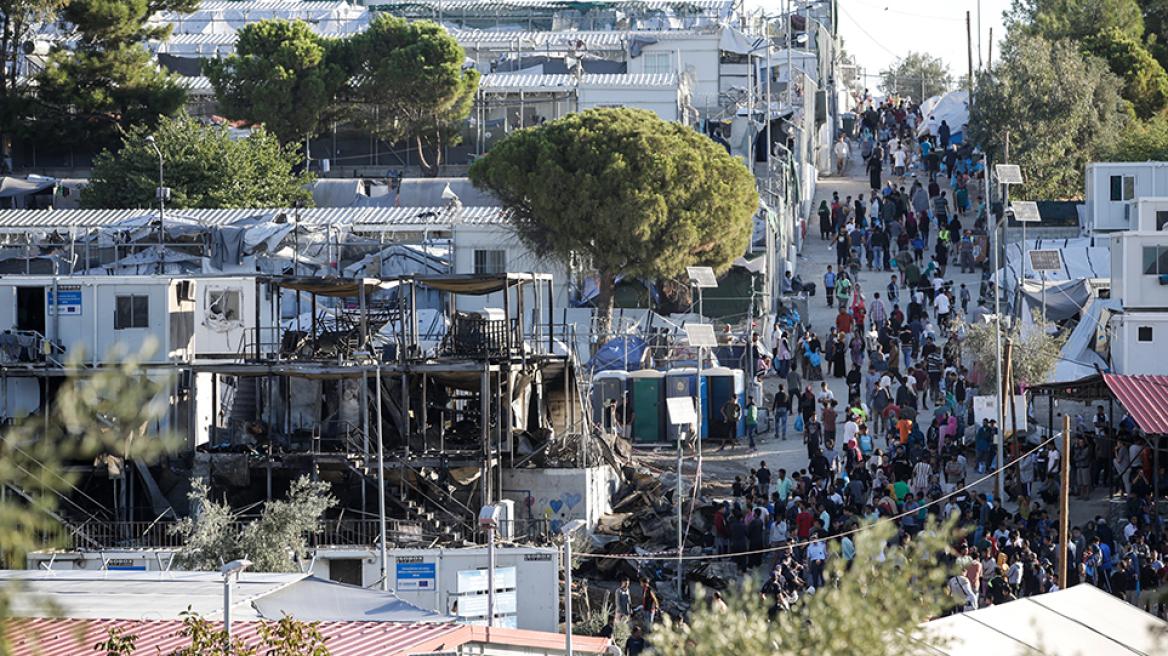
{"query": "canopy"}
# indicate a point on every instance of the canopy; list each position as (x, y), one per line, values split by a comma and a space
(1080, 620)
(478, 284)
(329, 286)
(1145, 397)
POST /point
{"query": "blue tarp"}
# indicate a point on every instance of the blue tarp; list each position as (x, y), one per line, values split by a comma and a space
(623, 353)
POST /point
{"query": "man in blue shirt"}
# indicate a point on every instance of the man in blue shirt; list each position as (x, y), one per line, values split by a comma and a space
(829, 285)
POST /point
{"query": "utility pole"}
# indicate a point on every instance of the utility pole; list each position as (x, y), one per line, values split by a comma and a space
(969, 39)
(1008, 393)
(1064, 503)
(990, 51)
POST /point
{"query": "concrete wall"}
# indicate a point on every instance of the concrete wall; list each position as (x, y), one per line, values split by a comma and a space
(561, 495)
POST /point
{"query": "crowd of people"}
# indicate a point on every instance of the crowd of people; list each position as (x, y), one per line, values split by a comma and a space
(895, 446)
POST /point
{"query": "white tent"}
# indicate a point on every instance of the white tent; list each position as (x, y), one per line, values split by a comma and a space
(1077, 621)
(953, 108)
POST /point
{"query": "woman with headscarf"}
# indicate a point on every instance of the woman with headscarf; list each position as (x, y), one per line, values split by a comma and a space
(782, 354)
(839, 367)
(857, 347)
(814, 358)
(825, 227)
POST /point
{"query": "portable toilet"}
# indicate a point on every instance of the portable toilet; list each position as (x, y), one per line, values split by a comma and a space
(683, 382)
(723, 382)
(647, 389)
(607, 386)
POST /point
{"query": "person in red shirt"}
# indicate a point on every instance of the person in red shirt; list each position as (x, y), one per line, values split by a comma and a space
(844, 321)
(804, 521)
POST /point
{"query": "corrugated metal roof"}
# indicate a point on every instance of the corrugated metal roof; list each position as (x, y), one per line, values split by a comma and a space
(266, 5)
(317, 216)
(1145, 397)
(41, 636)
(70, 637)
(560, 82)
(565, 39)
(488, 5)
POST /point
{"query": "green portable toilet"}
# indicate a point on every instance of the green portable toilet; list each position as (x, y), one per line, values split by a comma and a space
(647, 388)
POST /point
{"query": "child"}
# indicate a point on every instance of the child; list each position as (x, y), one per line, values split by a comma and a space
(964, 296)
(918, 249)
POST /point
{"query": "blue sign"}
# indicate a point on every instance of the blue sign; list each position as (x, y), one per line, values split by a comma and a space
(417, 576)
(68, 302)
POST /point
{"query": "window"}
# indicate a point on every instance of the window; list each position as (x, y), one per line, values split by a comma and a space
(657, 63)
(490, 262)
(224, 304)
(132, 312)
(1144, 333)
(1161, 220)
(1155, 260)
(1123, 187)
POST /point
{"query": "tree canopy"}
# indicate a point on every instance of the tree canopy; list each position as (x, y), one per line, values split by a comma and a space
(282, 75)
(204, 166)
(1076, 19)
(273, 542)
(1061, 108)
(628, 192)
(410, 85)
(1145, 84)
(108, 82)
(916, 75)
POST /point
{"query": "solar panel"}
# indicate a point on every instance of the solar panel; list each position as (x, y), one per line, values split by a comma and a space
(702, 277)
(681, 410)
(1046, 260)
(701, 335)
(1008, 173)
(1026, 211)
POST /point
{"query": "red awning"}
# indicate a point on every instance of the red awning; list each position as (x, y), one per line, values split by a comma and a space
(1145, 397)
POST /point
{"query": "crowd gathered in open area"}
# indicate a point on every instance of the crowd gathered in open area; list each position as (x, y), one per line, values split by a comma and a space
(896, 440)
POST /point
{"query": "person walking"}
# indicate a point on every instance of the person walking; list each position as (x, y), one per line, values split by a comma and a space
(829, 285)
(780, 408)
(842, 152)
(875, 168)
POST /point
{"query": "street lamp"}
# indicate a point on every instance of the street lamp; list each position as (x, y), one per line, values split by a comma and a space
(163, 194)
(233, 568)
(489, 519)
(567, 531)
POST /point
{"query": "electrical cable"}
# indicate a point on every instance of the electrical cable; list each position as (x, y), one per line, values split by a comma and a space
(672, 555)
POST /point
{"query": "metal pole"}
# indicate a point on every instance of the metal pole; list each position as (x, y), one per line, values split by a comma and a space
(994, 246)
(678, 503)
(568, 594)
(227, 611)
(381, 487)
(1064, 502)
(490, 576)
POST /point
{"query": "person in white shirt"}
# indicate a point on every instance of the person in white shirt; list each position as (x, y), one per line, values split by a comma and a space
(899, 160)
(842, 152)
(816, 555)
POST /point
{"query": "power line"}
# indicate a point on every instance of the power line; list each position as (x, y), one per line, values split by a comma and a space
(673, 554)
